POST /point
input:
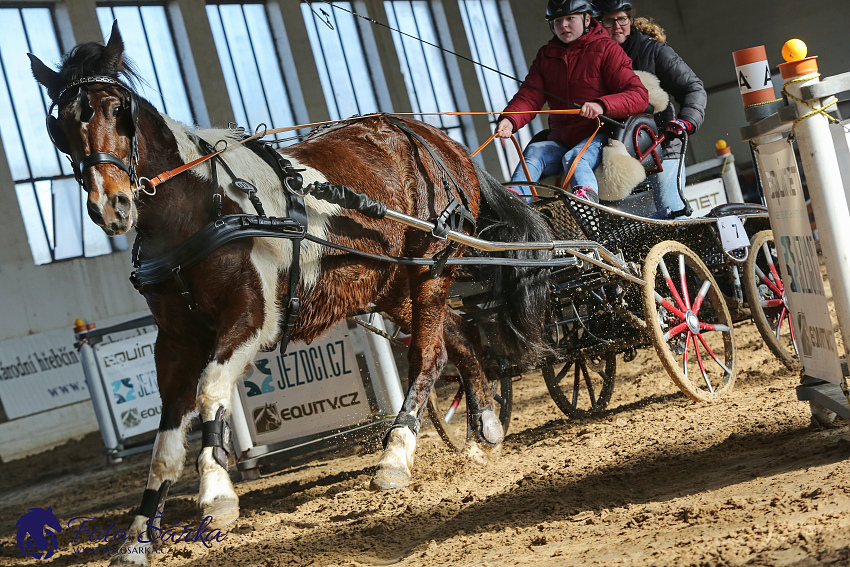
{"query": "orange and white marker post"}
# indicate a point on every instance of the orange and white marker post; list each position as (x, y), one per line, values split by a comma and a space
(754, 76)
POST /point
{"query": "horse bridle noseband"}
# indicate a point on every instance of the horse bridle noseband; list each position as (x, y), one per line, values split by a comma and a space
(60, 141)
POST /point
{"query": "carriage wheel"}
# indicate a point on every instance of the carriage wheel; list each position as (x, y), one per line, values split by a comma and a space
(587, 389)
(688, 321)
(448, 413)
(766, 299)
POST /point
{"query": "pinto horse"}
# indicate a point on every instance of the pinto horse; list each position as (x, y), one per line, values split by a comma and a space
(214, 316)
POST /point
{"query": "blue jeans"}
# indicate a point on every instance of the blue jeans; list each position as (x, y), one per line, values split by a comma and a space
(666, 193)
(551, 158)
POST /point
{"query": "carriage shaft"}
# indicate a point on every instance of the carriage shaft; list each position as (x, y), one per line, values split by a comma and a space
(602, 258)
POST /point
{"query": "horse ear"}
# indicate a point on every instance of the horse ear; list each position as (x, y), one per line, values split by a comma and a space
(113, 54)
(43, 74)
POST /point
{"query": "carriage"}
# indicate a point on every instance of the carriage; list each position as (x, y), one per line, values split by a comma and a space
(241, 246)
(675, 285)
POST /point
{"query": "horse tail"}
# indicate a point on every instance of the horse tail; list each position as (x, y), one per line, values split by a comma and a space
(521, 294)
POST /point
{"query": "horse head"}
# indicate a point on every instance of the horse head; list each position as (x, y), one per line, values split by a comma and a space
(96, 123)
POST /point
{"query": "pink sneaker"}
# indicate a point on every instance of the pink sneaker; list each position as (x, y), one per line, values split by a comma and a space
(586, 193)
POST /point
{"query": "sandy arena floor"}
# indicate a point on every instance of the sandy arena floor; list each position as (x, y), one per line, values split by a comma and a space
(658, 481)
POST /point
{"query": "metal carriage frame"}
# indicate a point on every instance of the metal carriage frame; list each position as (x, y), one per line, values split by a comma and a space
(611, 295)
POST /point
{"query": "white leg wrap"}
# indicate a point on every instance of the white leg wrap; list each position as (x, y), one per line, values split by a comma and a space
(397, 460)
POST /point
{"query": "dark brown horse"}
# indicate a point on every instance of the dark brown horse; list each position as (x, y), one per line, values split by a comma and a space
(217, 314)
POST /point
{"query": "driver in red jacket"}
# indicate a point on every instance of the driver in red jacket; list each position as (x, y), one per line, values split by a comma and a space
(581, 65)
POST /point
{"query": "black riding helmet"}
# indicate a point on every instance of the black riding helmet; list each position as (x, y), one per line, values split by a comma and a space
(561, 8)
(607, 6)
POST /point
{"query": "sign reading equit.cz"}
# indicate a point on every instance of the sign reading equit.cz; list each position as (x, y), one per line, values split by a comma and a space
(310, 389)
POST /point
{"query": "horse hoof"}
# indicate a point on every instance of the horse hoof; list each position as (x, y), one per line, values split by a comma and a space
(482, 454)
(223, 512)
(387, 479)
(492, 433)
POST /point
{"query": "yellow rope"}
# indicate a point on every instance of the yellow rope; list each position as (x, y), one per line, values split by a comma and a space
(763, 103)
(815, 109)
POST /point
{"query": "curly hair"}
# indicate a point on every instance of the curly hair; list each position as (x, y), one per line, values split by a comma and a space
(648, 27)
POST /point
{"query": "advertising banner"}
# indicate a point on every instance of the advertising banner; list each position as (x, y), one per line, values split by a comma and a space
(129, 378)
(705, 196)
(40, 372)
(798, 259)
(310, 389)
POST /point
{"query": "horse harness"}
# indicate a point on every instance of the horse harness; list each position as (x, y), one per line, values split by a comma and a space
(227, 228)
(60, 141)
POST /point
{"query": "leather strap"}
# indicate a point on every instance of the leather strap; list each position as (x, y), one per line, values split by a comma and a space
(464, 211)
(98, 158)
(214, 235)
(152, 500)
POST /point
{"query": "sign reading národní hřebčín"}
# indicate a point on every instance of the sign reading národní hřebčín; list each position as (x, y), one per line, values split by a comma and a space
(801, 276)
(40, 372)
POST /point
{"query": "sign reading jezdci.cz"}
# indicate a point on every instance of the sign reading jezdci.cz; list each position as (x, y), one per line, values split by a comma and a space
(40, 372)
(312, 388)
(129, 378)
(798, 259)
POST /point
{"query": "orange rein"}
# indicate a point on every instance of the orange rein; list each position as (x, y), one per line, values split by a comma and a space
(166, 175)
(519, 150)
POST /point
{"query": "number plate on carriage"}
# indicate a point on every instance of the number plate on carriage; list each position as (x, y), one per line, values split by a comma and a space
(732, 233)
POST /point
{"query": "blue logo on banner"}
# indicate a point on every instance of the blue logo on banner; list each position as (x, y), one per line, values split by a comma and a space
(123, 390)
(31, 539)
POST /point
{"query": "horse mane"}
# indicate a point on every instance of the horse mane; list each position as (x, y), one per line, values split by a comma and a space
(86, 60)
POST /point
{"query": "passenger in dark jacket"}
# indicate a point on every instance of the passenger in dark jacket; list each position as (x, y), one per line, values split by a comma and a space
(653, 55)
(579, 65)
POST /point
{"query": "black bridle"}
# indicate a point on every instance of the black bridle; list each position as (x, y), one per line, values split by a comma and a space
(60, 141)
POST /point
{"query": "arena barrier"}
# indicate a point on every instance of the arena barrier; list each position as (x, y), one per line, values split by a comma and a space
(803, 114)
(342, 386)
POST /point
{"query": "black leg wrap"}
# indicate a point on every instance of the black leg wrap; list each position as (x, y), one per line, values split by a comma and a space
(404, 419)
(216, 434)
(152, 500)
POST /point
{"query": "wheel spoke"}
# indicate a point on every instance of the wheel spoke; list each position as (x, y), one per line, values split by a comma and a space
(669, 306)
(770, 303)
(714, 356)
(776, 289)
(713, 327)
(683, 281)
(663, 267)
(703, 290)
(590, 391)
(675, 331)
(563, 373)
(702, 366)
(576, 385)
(450, 413)
(685, 355)
(773, 270)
